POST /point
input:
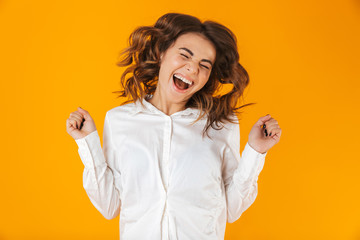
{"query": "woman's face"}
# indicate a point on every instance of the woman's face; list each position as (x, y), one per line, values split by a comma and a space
(185, 67)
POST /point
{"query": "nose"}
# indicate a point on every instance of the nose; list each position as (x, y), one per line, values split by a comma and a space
(191, 67)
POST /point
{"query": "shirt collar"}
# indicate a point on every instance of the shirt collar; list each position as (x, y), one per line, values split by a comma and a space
(148, 107)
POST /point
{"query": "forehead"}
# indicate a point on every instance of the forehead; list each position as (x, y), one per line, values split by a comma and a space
(198, 44)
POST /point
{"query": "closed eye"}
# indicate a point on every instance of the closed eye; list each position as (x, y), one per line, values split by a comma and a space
(184, 55)
(204, 66)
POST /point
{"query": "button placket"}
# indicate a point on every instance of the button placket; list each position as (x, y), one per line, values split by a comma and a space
(165, 228)
(165, 173)
(166, 151)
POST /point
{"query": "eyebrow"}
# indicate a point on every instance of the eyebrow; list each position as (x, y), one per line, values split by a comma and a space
(192, 54)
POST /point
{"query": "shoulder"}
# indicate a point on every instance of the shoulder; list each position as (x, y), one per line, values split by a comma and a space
(230, 126)
(233, 129)
(228, 129)
(122, 110)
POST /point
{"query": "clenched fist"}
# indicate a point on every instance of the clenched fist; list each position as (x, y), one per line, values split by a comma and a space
(80, 124)
(264, 134)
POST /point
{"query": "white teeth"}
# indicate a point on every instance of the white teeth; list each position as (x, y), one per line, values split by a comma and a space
(183, 79)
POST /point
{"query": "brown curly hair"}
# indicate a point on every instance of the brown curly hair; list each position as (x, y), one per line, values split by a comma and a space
(142, 58)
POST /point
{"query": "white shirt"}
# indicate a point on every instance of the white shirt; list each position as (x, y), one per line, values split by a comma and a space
(163, 178)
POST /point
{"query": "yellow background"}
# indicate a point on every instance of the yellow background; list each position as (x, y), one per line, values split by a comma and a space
(303, 62)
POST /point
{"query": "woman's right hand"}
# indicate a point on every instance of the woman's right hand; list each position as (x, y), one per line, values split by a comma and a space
(80, 124)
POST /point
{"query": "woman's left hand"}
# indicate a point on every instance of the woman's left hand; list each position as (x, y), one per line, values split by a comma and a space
(257, 136)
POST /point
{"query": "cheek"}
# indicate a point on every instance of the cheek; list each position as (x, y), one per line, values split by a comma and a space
(170, 65)
(204, 78)
(177, 62)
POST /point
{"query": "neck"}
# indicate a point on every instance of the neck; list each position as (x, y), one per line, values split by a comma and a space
(166, 106)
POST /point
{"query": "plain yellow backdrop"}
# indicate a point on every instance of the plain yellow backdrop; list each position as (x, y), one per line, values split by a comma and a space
(303, 62)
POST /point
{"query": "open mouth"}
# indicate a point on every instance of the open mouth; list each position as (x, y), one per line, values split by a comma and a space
(181, 83)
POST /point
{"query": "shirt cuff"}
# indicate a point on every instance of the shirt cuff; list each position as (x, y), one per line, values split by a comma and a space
(90, 150)
(250, 165)
(255, 153)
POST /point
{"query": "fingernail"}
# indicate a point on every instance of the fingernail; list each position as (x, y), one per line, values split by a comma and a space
(270, 134)
(264, 126)
(266, 134)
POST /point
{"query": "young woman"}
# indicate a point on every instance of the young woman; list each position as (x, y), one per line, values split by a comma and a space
(170, 162)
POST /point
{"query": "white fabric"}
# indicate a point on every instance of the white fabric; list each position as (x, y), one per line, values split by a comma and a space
(163, 178)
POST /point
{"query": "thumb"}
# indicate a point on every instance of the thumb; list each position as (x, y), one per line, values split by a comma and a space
(263, 119)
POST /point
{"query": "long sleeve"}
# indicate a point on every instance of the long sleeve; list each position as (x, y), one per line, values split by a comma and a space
(240, 174)
(101, 179)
